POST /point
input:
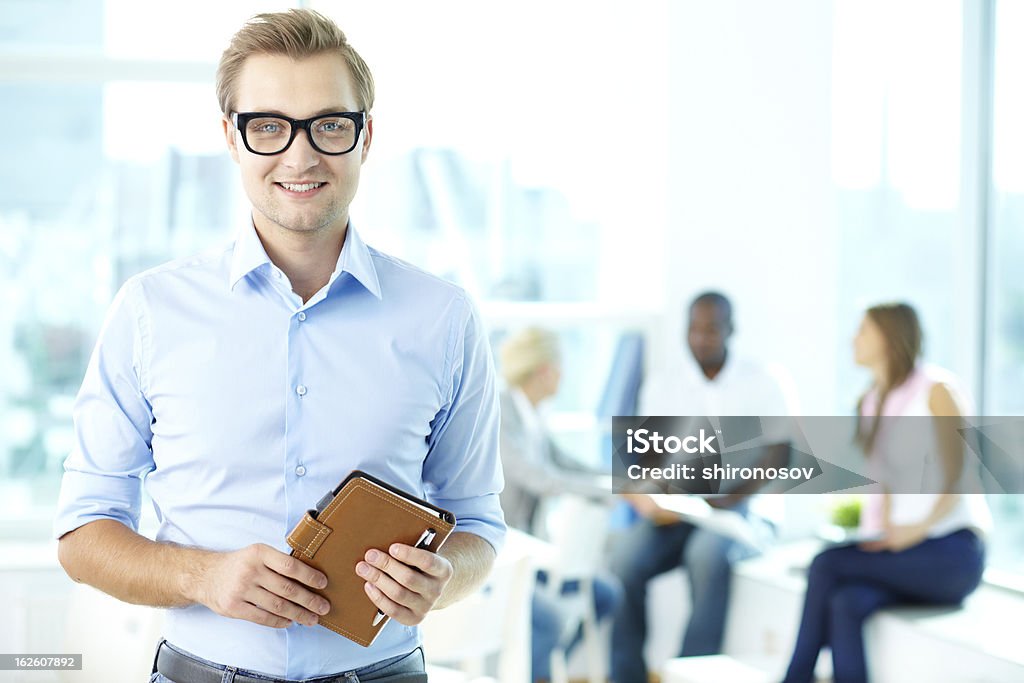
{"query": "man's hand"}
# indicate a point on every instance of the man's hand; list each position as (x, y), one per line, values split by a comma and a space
(405, 583)
(726, 502)
(261, 585)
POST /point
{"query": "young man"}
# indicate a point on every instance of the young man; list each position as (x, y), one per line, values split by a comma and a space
(245, 383)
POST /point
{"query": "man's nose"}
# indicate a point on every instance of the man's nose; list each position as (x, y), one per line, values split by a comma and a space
(300, 154)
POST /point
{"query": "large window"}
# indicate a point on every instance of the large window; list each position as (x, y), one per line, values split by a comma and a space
(897, 153)
(1005, 347)
(1004, 340)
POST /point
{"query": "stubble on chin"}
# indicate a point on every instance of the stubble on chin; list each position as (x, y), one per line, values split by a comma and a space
(292, 220)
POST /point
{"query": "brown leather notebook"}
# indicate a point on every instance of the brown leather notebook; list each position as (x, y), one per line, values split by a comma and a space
(363, 512)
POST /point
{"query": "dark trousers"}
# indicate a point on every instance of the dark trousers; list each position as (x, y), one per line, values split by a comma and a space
(547, 623)
(647, 550)
(845, 585)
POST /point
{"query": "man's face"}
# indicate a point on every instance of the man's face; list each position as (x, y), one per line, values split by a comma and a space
(708, 333)
(298, 89)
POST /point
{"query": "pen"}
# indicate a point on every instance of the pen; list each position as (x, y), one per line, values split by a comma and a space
(426, 538)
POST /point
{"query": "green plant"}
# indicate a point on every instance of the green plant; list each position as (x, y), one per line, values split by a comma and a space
(846, 513)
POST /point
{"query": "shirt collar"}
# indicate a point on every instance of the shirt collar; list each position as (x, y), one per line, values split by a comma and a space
(355, 258)
(697, 373)
(248, 254)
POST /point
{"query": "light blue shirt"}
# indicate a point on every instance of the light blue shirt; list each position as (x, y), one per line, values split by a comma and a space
(239, 407)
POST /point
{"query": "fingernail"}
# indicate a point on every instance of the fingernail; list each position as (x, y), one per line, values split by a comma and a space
(372, 556)
(312, 620)
(323, 607)
(362, 569)
(322, 583)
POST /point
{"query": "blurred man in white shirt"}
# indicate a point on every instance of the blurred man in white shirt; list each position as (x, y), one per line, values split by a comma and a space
(710, 382)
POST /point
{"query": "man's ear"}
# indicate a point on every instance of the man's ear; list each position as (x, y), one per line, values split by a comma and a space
(229, 137)
(367, 137)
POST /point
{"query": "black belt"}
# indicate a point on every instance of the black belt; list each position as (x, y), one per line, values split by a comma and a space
(181, 668)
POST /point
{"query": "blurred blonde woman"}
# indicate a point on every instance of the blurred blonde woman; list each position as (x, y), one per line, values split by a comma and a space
(536, 468)
(929, 547)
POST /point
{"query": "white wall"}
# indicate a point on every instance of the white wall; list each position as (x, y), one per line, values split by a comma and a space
(750, 207)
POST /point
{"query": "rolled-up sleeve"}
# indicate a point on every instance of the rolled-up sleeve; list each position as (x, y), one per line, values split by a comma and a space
(112, 426)
(462, 471)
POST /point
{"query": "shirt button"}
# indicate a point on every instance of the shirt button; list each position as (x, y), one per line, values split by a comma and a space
(300, 471)
(301, 390)
(301, 316)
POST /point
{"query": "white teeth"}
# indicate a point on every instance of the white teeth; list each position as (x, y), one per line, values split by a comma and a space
(305, 187)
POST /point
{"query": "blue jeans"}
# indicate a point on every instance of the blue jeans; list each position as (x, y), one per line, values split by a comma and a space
(845, 585)
(547, 623)
(646, 550)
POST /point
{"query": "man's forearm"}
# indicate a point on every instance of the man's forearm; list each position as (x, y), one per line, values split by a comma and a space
(109, 556)
(472, 558)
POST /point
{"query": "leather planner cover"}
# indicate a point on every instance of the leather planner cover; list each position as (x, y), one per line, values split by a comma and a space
(363, 512)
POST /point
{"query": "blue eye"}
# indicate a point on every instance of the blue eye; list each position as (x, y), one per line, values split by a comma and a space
(334, 127)
(267, 127)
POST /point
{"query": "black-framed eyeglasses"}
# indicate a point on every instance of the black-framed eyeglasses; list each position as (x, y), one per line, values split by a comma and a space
(267, 134)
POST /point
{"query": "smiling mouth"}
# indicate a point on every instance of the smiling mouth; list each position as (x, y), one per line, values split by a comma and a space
(301, 187)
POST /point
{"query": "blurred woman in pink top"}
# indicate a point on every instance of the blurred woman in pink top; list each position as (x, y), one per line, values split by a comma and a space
(928, 547)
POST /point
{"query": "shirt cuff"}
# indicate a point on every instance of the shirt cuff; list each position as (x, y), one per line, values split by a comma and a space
(86, 497)
(480, 516)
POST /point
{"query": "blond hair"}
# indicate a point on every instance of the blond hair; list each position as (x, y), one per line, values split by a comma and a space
(527, 351)
(297, 33)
